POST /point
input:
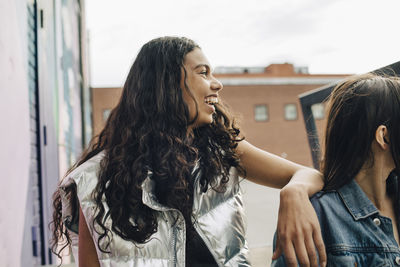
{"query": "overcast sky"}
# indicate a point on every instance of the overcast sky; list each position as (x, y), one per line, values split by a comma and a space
(332, 36)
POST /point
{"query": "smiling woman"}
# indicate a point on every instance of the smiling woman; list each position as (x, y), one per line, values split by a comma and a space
(160, 185)
(203, 94)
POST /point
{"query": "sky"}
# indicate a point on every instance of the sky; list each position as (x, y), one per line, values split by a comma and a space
(327, 36)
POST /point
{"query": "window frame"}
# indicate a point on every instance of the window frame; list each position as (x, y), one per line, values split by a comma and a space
(323, 111)
(284, 112)
(266, 109)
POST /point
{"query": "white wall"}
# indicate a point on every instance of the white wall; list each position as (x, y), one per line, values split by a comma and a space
(14, 137)
(261, 207)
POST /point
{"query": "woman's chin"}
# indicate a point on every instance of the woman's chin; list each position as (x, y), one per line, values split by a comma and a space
(203, 122)
(209, 120)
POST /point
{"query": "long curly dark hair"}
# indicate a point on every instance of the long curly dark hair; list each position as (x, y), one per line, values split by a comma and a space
(148, 131)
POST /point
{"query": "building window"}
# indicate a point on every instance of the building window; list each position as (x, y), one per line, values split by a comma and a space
(318, 111)
(261, 112)
(106, 114)
(290, 112)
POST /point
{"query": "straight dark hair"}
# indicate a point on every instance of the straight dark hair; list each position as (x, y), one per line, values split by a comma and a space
(356, 108)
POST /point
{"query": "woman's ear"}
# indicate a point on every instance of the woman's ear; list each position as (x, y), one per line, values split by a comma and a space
(381, 137)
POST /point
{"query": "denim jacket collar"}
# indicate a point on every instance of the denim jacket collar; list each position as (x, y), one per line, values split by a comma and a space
(356, 201)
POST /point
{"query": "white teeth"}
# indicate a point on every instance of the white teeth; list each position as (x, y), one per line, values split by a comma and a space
(211, 100)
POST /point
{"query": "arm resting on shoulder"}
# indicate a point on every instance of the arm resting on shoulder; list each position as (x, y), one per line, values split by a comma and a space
(298, 230)
(270, 170)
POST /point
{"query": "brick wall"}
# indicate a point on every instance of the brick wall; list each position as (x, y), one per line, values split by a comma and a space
(277, 135)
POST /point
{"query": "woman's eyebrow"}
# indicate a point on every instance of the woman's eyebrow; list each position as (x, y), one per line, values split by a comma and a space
(208, 67)
(202, 65)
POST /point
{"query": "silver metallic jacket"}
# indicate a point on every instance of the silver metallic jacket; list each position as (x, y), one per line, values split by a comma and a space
(218, 218)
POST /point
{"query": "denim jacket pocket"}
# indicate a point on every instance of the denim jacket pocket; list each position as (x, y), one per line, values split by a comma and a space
(351, 260)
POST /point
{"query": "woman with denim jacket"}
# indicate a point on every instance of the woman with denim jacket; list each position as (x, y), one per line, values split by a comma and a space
(160, 185)
(358, 209)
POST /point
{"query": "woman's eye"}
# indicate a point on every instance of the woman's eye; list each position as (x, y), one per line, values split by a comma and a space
(204, 73)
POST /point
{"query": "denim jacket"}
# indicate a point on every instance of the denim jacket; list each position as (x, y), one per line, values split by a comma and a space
(354, 232)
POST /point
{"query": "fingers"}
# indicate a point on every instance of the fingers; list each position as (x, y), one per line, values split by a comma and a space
(311, 252)
(290, 255)
(284, 245)
(301, 251)
(278, 250)
(277, 253)
(299, 233)
(310, 248)
(319, 244)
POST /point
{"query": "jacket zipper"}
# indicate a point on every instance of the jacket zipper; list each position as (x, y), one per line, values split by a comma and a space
(174, 246)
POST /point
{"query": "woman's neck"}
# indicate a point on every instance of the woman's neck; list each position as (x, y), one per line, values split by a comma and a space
(373, 175)
(373, 182)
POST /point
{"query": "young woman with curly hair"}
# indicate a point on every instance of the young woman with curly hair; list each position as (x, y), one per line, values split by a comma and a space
(160, 185)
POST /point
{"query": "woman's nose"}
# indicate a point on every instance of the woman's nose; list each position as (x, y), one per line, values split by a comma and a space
(216, 85)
